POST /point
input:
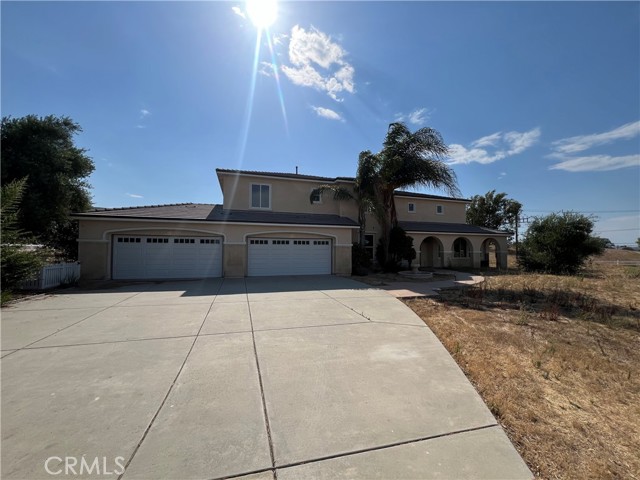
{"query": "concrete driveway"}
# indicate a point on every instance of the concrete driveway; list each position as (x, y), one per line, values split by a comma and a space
(301, 377)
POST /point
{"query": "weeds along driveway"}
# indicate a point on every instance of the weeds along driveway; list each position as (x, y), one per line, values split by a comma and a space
(309, 377)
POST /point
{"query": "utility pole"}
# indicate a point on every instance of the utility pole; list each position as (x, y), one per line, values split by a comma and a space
(517, 217)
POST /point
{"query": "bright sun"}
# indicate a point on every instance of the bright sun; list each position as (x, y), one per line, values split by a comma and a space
(262, 12)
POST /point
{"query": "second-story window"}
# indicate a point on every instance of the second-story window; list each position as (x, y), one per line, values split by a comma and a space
(316, 198)
(440, 209)
(260, 196)
(412, 208)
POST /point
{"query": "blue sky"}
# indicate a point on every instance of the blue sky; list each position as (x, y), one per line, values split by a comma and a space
(539, 99)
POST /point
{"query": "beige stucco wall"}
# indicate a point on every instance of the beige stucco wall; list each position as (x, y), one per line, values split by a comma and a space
(292, 195)
(287, 195)
(454, 211)
(94, 252)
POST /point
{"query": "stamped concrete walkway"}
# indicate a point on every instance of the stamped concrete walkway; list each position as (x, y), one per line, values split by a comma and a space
(288, 378)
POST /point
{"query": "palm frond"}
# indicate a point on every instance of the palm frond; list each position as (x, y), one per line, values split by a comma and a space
(339, 192)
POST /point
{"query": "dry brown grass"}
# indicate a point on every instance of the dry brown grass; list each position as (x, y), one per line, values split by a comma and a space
(557, 359)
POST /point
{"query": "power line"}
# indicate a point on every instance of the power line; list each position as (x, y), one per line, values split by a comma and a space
(584, 211)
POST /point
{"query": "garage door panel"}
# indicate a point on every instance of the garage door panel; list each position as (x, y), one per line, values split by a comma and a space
(156, 257)
(289, 257)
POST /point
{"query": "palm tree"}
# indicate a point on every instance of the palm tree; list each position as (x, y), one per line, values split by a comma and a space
(362, 193)
(408, 160)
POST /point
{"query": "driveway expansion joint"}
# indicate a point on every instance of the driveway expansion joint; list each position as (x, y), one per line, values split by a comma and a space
(164, 400)
(73, 324)
(347, 306)
(107, 342)
(264, 401)
(386, 446)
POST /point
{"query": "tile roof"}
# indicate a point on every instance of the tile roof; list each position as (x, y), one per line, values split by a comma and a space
(215, 213)
(439, 227)
(400, 193)
(331, 179)
(285, 175)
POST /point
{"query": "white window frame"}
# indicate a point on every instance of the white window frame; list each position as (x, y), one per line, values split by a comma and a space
(251, 196)
(409, 205)
(439, 209)
(319, 202)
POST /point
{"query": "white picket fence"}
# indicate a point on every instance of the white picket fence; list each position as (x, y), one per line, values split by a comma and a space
(52, 276)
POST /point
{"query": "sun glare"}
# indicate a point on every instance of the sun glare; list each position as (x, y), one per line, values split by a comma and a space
(263, 13)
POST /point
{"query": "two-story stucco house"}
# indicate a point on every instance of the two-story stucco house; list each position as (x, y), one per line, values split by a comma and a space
(267, 225)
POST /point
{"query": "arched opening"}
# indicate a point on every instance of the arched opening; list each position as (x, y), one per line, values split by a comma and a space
(461, 248)
(491, 254)
(431, 253)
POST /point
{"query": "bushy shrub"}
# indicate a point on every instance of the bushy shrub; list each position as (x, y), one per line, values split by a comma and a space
(18, 263)
(360, 260)
(400, 248)
(559, 243)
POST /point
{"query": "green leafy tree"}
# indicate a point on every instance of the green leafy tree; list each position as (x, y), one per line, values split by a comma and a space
(17, 262)
(559, 243)
(493, 210)
(407, 159)
(43, 149)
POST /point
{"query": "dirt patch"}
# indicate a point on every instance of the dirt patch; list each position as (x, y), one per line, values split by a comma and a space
(557, 360)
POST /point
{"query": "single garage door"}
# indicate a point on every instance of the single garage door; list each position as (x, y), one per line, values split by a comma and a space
(287, 256)
(155, 257)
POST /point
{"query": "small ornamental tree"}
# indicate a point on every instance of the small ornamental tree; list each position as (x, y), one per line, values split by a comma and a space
(559, 243)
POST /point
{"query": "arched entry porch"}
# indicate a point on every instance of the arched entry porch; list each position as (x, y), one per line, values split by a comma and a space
(492, 255)
(431, 253)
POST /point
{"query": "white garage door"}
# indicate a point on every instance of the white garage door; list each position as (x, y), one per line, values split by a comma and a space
(141, 257)
(287, 256)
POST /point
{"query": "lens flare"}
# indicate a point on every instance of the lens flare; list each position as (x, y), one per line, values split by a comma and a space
(263, 13)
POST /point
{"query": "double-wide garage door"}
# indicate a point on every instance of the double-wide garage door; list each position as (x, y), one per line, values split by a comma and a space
(155, 257)
(287, 256)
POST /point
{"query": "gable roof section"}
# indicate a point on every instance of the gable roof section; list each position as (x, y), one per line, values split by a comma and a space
(439, 227)
(294, 176)
(204, 212)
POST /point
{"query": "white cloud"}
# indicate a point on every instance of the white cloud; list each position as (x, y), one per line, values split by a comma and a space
(502, 175)
(494, 147)
(267, 69)
(238, 11)
(144, 113)
(278, 38)
(134, 195)
(519, 142)
(584, 142)
(418, 117)
(313, 50)
(565, 147)
(488, 141)
(597, 163)
(328, 113)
